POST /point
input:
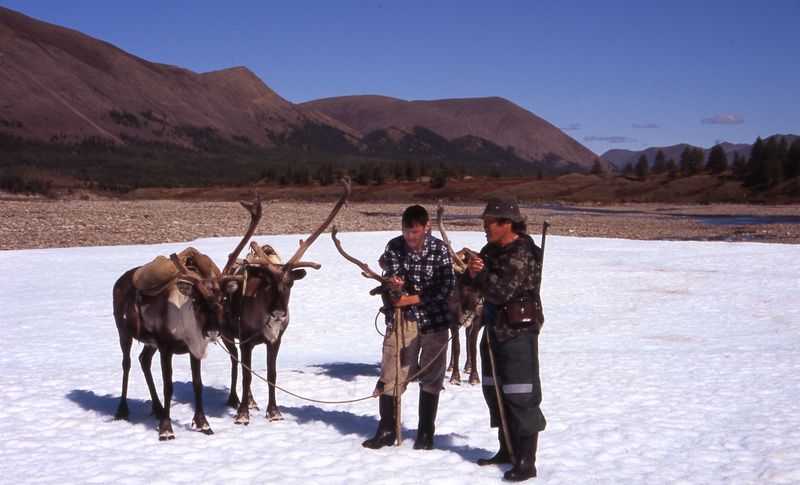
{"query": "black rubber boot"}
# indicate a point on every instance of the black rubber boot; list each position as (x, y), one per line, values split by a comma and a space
(386, 433)
(525, 467)
(428, 405)
(499, 458)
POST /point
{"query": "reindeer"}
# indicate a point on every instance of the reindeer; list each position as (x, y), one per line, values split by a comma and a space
(260, 313)
(181, 315)
(466, 306)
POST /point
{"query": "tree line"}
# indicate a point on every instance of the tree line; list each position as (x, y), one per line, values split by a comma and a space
(770, 162)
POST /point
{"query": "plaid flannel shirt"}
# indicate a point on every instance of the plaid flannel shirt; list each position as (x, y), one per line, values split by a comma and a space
(428, 274)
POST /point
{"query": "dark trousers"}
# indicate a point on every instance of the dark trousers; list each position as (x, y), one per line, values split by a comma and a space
(517, 362)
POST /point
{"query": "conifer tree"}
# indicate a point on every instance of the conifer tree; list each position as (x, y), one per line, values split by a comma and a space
(756, 164)
(690, 161)
(776, 155)
(792, 166)
(660, 162)
(717, 160)
(628, 169)
(739, 166)
(597, 167)
(672, 169)
(642, 167)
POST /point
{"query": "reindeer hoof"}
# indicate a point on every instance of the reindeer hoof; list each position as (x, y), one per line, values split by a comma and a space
(122, 411)
(455, 380)
(474, 380)
(242, 418)
(165, 430)
(274, 415)
(201, 425)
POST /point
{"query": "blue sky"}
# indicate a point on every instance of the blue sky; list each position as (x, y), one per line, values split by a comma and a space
(611, 74)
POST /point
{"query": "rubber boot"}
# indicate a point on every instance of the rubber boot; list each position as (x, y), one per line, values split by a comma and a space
(525, 467)
(386, 433)
(428, 405)
(499, 458)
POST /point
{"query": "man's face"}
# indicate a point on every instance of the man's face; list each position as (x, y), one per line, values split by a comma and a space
(497, 230)
(414, 237)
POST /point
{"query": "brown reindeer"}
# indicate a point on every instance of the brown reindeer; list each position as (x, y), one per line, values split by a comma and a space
(177, 315)
(260, 313)
(466, 306)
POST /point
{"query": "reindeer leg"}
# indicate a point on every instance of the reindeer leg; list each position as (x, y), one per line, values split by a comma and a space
(145, 360)
(243, 413)
(233, 398)
(453, 360)
(469, 362)
(472, 350)
(273, 413)
(199, 421)
(165, 425)
(455, 377)
(125, 342)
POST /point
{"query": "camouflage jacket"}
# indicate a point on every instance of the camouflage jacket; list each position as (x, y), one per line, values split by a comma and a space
(509, 273)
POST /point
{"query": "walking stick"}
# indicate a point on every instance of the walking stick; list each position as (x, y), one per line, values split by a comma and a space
(545, 225)
(398, 338)
(499, 393)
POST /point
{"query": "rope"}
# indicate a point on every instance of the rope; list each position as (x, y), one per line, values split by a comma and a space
(286, 391)
(303, 398)
(376, 324)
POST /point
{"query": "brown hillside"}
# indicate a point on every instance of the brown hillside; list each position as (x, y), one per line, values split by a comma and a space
(59, 84)
(496, 119)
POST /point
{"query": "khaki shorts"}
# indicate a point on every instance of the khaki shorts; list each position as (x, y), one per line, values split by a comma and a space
(419, 351)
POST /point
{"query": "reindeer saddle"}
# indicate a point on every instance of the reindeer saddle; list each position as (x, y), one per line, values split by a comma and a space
(161, 273)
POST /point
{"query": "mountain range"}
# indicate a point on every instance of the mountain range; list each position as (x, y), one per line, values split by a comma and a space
(60, 86)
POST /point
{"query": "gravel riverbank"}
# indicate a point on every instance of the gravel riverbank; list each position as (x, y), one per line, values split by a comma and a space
(44, 223)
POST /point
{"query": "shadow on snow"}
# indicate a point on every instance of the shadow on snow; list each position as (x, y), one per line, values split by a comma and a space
(348, 371)
(214, 402)
(348, 423)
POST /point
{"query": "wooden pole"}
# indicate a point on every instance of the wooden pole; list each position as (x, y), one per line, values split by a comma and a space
(499, 393)
(398, 332)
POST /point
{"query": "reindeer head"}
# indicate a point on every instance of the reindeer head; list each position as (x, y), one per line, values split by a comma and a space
(272, 280)
(268, 281)
(201, 281)
(208, 287)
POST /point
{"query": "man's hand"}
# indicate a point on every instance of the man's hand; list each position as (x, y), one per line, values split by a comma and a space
(395, 283)
(474, 266)
(406, 300)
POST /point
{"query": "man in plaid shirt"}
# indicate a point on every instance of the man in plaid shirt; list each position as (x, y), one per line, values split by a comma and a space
(420, 277)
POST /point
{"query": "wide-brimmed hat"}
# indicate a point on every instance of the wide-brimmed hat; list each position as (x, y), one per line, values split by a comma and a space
(502, 208)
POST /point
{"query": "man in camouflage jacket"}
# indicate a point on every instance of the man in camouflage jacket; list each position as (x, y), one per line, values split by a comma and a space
(507, 273)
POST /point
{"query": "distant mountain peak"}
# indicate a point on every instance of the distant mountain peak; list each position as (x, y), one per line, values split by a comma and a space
(494, 118)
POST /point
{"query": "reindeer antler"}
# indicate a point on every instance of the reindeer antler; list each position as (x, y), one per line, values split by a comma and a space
(294, 261)
(255, 216)
(460, 266)
(262, 258)
(196, 279)
(366, 272)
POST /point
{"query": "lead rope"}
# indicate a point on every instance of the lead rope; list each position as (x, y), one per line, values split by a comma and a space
(236, 358)
(410, 379)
